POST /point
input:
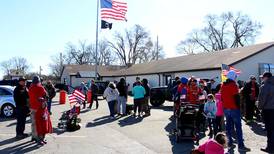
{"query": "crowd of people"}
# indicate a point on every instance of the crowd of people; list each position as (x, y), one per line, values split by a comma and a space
(117, 94)
(222, 105)
(226, 104)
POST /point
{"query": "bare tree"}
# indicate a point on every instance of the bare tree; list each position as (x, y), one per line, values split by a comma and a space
(6, 66)
(220, 32)
(150, 52)
(105, 56)
(78, 55)
(18, 64)
(133, 46)
(56, 65)
(86, 54)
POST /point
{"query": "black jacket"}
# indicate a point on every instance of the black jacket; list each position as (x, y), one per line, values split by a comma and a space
(266, 96)
(147, 88)
(20, 95)
(247, 91)
(122, 88)
(94, 89)
(51, 91)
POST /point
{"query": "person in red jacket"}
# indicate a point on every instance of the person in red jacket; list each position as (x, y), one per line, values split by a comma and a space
(231, 104)
(41, 123)
(193, 91)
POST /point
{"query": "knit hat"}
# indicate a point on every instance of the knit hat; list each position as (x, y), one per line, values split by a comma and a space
(36, 79)
(231, 75)
(184, 80)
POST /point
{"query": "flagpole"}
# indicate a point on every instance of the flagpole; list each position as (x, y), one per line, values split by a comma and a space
(96, 45)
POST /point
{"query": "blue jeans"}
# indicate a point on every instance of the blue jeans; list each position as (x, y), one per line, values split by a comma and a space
(234, 117)
(111, 106)
(49, 105)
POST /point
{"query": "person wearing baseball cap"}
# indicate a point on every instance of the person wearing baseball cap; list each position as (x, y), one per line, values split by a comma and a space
(20, 95)
(266, 104)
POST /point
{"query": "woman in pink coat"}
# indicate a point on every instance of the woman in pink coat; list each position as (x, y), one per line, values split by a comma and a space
(215, 146)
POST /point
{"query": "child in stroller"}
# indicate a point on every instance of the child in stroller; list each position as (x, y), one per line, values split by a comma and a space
(69, 119)
(186, 122)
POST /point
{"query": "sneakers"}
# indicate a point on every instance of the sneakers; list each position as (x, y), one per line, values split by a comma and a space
(244, 149)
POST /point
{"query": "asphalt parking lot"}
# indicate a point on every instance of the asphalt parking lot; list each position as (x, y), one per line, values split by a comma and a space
(126, 135)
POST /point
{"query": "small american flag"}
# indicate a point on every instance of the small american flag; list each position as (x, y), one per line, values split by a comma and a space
(112, 9)
(79, 96)
(72, 98)
(237, 71)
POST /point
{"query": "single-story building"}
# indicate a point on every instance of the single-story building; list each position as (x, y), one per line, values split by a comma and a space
(251, 60)
(73, 75)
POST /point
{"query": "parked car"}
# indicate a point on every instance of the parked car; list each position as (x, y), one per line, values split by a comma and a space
(7, 104)
(9, 82)
(102, 86)
(158, 95)
(61, 86)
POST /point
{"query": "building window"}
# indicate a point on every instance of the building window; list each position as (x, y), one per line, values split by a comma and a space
(263, 67)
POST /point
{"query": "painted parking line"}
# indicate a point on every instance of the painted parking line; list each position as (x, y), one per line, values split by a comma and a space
(67, 136)
(53, 135)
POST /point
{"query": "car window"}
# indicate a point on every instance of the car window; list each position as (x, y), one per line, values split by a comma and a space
(4, 92)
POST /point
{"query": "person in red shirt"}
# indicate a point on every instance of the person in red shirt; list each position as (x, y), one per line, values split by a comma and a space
(231, 104)
(41, 123)
(193, 91)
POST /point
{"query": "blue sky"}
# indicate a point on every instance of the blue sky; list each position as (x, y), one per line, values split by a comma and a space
(37, 29)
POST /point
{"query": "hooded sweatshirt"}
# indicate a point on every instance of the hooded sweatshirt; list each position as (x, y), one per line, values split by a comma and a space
(211, 147)
(229, 91)
(111, 94)
(266, 95)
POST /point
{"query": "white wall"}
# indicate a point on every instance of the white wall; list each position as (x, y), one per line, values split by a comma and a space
(250, 66)
(66, 76)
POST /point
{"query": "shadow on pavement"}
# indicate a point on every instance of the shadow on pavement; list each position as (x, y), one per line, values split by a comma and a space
(131, 120)
(164, 108)
(100, 121)
(14, 123)
(20, 148)
(185, 146)
(58, 131)
(2, 119)
(257, 129)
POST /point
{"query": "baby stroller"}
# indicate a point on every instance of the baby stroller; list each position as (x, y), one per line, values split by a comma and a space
(186, 122)
(69, 119)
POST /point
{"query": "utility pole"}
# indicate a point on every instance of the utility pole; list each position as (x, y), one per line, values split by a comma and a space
(40, 71)
(157, 48)
(61, 63)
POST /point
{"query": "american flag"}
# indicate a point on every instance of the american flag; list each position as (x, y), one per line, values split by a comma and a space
(79, 96)
(237, 71)
(72, 98)
(111, 9)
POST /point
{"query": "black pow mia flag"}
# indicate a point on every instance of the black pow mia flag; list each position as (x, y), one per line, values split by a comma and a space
(105, 25)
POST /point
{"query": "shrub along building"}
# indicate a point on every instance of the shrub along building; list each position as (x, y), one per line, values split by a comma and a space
(251, 60)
